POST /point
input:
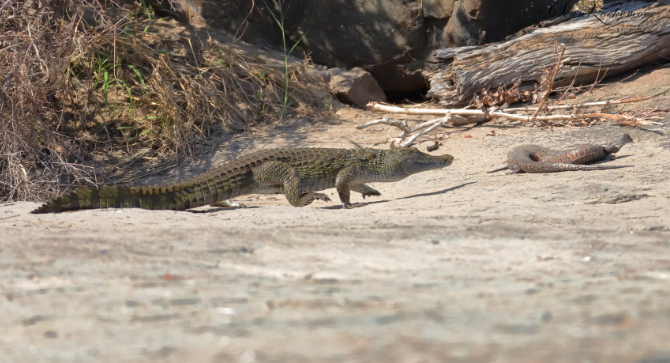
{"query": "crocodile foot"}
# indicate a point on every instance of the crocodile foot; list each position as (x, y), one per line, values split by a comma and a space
(374, 193)
(227, 204)
(321, 196)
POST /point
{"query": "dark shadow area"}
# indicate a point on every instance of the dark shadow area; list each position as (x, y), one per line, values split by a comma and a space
(438, 192)
(416, 96)
(655, 132)
(216, 210)
(617, 157)
(384, 37)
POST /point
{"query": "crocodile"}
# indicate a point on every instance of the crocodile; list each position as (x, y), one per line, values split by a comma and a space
(297, 173)
(538, 159)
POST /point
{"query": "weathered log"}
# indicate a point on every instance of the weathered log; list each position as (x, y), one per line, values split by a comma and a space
(611, 41)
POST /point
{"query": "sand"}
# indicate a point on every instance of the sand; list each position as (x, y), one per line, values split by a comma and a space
(454, 265)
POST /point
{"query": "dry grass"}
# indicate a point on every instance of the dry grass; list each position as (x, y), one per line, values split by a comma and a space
(80, 102)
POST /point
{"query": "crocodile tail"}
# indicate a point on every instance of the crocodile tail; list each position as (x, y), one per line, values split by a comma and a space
(153, 197)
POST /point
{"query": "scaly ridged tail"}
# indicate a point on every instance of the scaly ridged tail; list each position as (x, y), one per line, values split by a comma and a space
(118, 197)
(544, 167)
(193, 193)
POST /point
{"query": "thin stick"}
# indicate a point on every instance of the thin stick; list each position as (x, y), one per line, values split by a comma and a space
(523, 118)
(385, 121)
(374, 106)
(43, 64)
(587, 104)
(551, 84)
(16, 215)
(399, 124)
(411, 140)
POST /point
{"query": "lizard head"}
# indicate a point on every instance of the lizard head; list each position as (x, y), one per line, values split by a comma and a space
(413, 161)
(612, 149)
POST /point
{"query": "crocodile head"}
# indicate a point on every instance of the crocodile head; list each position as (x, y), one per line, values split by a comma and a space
(413, 161)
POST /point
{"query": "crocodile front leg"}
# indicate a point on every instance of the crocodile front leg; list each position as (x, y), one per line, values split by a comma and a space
(276, 173)
(353, 178)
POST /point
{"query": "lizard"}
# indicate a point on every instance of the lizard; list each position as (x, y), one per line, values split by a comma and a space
(538, 159)
(297, 173)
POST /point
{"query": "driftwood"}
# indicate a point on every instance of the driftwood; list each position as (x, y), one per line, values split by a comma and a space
(409, 135)
(485, 115)
(612, 41)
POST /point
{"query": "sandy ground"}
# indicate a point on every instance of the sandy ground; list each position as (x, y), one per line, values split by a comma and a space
(454, 265)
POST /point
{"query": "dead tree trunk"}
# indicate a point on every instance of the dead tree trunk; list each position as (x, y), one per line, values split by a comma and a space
(611, 41)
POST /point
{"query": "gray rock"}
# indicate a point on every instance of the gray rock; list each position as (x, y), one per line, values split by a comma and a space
(388, 38)
(438, 9)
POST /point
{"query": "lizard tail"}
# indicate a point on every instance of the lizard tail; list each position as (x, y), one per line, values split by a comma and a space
(153, 197)
(544, 167)
(497, 170)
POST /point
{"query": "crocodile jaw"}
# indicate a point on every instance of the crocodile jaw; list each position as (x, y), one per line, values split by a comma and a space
(419, 162)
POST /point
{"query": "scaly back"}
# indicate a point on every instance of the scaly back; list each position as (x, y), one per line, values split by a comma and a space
(228, 180)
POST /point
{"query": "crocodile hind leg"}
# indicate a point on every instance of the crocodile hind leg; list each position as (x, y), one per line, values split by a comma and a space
(276, 173)
(513, 168)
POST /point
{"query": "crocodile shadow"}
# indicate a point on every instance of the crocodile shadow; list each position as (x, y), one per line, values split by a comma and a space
(358, 205)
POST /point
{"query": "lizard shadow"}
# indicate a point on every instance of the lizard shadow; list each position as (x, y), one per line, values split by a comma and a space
(356, 205)
(439, 191)
(609, 159)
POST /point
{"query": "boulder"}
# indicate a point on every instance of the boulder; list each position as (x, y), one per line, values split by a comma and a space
(356, 87)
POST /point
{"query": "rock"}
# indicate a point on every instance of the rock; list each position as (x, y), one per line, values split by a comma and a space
(438, 9)
(388, 38)
(385, 37)
(356, 86)
(317, 75)
(476, 22)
